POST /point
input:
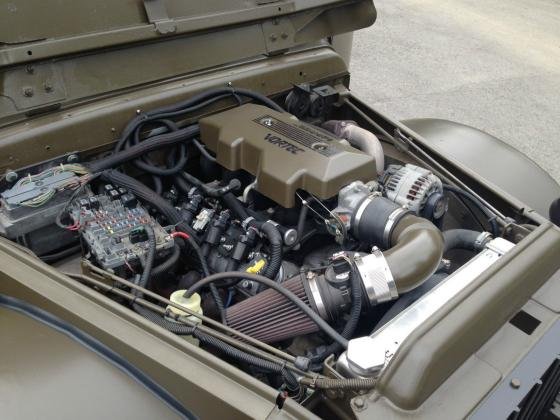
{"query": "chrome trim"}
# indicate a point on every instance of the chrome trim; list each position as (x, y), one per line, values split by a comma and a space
(316, 294)
(391, 221)
(359, 214)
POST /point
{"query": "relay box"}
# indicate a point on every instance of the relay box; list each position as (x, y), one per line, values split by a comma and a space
(112, 225)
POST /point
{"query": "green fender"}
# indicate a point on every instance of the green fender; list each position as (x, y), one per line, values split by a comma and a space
(495, 161)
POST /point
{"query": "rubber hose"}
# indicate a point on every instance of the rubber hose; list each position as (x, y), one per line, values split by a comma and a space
(230, 266)
(182, 185)
(140, 149)
(463, 239)
(147, 165)
(150, 256)
(235, 205)
(158, 185)
(203, 151)
(192, 104)
(206, 272)
(162, 269)
(250, 359)
(356, 384)
(225, 348)
(51, 258)
(212, 192)
(491, 216)
(155, 115)
(301, 222)
(321, 323)
(276, 243)
(350, 326)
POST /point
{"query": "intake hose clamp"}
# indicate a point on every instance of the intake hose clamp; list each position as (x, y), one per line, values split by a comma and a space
(376, 277)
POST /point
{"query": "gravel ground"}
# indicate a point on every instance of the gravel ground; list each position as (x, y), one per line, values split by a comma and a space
(491, 64)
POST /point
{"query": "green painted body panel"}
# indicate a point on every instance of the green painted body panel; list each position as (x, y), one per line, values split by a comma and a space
(72, 84)
(492, 159)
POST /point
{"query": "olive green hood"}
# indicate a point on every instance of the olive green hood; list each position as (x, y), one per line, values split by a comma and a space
(60, 52)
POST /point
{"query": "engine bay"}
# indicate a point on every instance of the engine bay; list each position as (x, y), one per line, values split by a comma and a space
(275, 234)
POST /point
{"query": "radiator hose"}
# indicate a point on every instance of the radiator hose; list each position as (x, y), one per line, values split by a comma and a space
(471, 240)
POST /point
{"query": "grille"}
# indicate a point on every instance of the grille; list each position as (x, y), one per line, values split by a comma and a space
(541, 397)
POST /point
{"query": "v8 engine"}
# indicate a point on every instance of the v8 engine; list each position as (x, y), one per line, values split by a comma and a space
(247, 228)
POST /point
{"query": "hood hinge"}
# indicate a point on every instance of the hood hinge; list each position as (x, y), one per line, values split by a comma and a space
(157, 15)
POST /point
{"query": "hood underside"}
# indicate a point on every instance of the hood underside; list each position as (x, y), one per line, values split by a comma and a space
(72, 51)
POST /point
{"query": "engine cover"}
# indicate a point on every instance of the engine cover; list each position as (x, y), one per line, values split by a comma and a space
(283, 153)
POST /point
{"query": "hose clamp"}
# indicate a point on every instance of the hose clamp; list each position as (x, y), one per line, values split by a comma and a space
(245, 223)
(376, 277)
(316, 294)
(481, 240)
(392, 220)
(359, 214)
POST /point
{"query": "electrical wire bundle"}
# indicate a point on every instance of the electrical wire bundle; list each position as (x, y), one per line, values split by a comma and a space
(49, 193)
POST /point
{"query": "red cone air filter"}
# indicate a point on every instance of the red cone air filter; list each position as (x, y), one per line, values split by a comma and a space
(269, 316)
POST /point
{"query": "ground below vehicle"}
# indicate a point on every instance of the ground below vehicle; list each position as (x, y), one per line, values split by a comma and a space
(267, 165)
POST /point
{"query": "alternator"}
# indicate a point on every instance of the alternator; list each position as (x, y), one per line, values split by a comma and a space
(416, 189)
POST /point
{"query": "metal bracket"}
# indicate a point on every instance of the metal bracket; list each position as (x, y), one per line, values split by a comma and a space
(34, 86)
(278, 34)
(157, 14)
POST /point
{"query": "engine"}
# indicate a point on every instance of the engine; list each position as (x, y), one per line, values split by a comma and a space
(298, 232)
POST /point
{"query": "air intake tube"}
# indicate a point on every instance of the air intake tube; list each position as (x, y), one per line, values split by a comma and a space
(414, 248)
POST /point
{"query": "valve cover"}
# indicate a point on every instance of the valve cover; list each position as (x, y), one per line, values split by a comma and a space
(284, 153)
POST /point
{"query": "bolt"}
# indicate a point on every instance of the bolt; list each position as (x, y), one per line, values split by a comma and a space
(27, 91)
(113, 130)
(284, 35)
(138, 111)
(48, 86)
(246, 284)
(273, 37)
(515, 383)
(29, 69)
(11, 176)
(73, 158)
(359, 403)
(446, 263)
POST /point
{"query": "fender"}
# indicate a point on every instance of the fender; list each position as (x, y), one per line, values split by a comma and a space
(494, 160)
